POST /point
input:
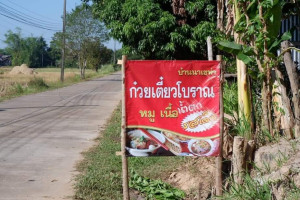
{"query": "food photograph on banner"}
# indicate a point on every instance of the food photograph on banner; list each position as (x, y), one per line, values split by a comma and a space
(172, 108)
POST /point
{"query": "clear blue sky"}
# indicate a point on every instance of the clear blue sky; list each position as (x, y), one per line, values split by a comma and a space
(46, 13)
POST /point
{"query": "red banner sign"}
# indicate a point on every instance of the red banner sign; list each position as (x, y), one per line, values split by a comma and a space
(172, 107)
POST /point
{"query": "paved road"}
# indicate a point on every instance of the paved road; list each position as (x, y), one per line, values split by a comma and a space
(42, 135)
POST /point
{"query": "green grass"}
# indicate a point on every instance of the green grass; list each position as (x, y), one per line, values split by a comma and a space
(2, 71)
(281, 159)
(230, 98)
(100, 176)
(37, 82)
(293, 193)
(250, 189)
(253, 189)
(243, 128)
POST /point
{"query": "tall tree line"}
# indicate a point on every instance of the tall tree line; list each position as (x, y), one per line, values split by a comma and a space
(30, 50)
(85, 36)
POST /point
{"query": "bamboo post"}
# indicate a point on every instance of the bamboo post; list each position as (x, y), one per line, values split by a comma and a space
(209, 48)
(219, 159)
(123, 136)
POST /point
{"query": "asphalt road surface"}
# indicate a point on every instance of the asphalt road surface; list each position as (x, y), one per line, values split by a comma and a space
(42, 136)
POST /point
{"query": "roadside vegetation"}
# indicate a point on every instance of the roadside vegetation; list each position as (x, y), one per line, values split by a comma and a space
(13, 85)
(101, 168)
(262, 104)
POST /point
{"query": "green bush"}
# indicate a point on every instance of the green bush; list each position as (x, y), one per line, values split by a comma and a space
(37, 83)
(117, 67)
(107, 69)
(18, 89)
(101, 176)
(76, 78)
(154, 189)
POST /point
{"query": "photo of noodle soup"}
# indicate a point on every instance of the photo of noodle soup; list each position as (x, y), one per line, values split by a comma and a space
(139, 144)
(201, 147)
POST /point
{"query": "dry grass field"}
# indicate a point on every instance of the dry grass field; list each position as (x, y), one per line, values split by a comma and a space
(12, 85)
(50, 75)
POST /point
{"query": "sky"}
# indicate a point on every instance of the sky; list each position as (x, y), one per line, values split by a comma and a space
(46, 13)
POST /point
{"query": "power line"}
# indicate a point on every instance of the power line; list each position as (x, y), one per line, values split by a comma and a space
(44, 35)
(25, 19)
(4, 23)
(32, 11)
(28, 23)
(14, 26)
(15, 14)
(29, 16)
(11, 13)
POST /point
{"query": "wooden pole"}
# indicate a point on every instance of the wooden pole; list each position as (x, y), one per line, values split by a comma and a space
(123, 136)
(238, 159)
(220, 15)
(294, 84)
(62, 70)
(219, 159)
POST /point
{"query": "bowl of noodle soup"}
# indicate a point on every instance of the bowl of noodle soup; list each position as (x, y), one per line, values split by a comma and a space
(201, 147)
(141, 145)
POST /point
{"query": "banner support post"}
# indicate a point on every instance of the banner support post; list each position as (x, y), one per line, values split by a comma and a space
(123, 136)
(219, 159)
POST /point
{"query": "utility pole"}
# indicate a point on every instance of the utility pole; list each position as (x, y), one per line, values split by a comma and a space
(62, 72)
(43, 58)
(114, 52)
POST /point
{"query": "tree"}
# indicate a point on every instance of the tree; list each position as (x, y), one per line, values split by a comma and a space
(3, 52)
(55, 52)
(97, 55)
(82, 30)
(37, 51)
(160, 29)
(14, 46)
(106, 55)
(55, 49)
(31, 50)
(257, 39)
